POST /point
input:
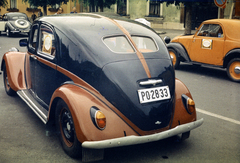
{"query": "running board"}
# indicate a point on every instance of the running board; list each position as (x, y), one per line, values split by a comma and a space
(28, 98)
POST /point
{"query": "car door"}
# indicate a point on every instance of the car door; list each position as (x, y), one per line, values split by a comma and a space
(208, 44)
(43, 65)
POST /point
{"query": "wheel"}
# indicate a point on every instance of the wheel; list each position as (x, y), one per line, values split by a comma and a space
(233, 69)
(8, 89)
(8, 32)
(66, 130)
(175, 58)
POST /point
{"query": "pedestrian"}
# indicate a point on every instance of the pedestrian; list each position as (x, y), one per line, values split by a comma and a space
(33, 17)
(59, 11)
(40, 13)
(73, 10)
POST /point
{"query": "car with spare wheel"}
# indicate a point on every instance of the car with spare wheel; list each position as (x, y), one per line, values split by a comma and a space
(14, 23)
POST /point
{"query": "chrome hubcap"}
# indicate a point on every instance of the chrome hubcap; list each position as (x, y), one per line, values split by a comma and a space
(237, 70)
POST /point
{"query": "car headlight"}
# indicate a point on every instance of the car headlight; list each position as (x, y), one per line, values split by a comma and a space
(98, 118)
(188, 103)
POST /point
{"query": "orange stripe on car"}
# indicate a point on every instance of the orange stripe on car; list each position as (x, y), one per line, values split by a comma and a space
(139, 54)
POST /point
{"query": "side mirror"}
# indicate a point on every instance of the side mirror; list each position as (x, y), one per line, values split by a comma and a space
(167, 39)
(23, 42)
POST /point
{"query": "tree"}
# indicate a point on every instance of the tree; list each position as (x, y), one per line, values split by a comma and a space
(45, 3)
(3, 3)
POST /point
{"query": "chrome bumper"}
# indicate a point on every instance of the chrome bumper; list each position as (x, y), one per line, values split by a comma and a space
(132, 140)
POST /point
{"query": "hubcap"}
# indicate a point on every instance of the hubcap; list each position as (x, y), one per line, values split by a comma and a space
(234, 70)
(237, 70)
(67, 127)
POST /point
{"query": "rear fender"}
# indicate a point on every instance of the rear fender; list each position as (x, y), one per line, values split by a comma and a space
(14, 62)
(180, 50)
(79, 101)
(181, 116)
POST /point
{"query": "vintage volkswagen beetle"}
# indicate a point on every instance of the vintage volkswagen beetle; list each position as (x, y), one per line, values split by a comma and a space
(216, 43)
(104, 82)
(14, 23)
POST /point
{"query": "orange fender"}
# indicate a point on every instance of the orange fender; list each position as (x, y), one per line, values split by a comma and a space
(14, 62)
(79, 101)
(181, 116)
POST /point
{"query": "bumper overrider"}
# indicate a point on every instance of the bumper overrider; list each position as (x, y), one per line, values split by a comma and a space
(133, 140)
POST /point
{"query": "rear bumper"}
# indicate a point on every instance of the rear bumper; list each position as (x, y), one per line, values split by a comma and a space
(132, 140)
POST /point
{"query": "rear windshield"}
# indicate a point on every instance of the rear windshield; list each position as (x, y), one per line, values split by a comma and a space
(120, 44)
(145, 44)
(15, 17)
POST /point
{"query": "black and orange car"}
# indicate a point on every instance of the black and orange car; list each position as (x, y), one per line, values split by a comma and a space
(104, 82)
(215, 43)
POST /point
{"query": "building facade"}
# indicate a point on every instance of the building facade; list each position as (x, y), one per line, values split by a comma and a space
(159, 14)
(19, 6)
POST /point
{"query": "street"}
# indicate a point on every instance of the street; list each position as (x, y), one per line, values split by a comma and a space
(23, 135)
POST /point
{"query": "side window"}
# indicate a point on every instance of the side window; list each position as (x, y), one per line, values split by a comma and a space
(33, 37)
(211, 30)
(47, 41)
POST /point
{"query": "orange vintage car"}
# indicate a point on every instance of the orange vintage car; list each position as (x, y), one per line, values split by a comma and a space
(216, 42)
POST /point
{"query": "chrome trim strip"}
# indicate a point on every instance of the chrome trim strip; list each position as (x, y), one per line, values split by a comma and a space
(132, 140)
(33, 106)
(237, 70)
(151, 82)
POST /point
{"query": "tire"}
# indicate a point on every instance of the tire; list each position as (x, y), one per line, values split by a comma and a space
(66, 130)
(7, 87)
(233, 69)
(8, 32)
(175, 58)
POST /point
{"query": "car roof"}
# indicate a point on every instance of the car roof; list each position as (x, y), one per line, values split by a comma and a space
(84, 22)
(231, 27)
(15, 13)
(88, 31)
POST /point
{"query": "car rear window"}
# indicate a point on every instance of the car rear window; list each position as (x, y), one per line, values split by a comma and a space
(18, 17)
(120, 44)
(145, 44)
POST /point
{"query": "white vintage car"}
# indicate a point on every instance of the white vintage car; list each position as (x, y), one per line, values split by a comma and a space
(14, 23)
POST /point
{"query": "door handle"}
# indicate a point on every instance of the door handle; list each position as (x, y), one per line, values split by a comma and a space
(33, 57)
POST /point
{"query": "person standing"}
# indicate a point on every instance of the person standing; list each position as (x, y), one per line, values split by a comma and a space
(40, 13)
(73, 10)
(59, 11)
(33, 17)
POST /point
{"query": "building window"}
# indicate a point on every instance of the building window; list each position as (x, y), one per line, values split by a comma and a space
(56, 6)
(154, 8)
(13, 4)
(32, 6)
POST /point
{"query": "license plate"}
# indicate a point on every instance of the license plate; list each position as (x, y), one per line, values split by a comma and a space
(154, 94)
